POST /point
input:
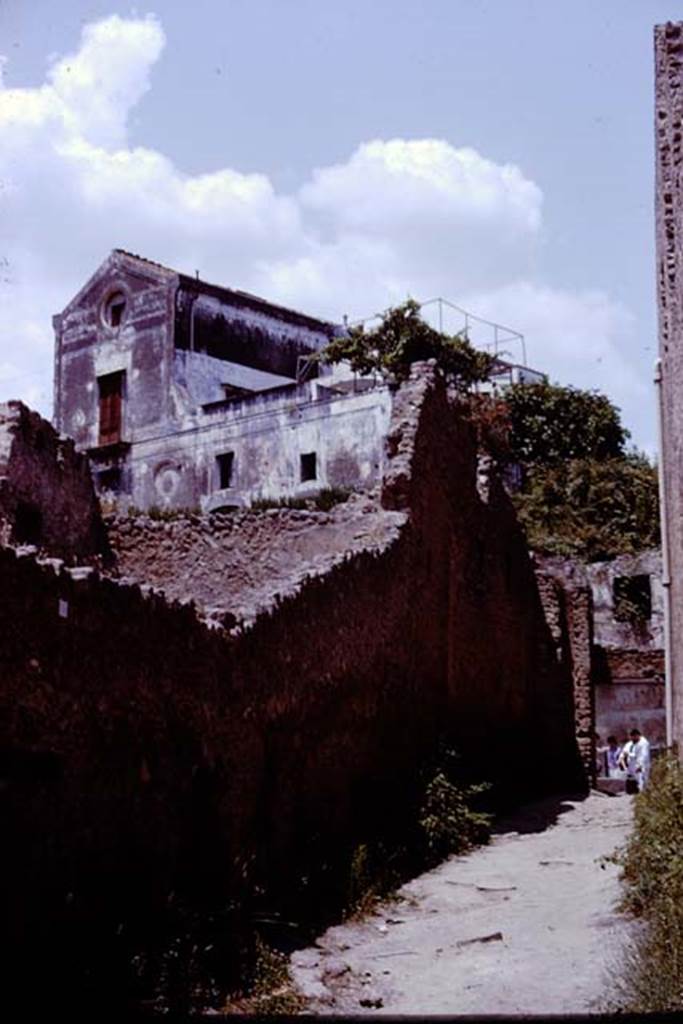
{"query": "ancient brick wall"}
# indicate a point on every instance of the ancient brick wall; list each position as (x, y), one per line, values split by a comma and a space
(46, 493)
(147, 755)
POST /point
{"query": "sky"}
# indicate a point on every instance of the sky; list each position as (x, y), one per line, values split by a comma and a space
(339, 156)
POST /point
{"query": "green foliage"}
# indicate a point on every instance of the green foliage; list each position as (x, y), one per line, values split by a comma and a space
(164, 515)
(403, 338)
(271, 991)
(261, 504)
(582, 494)
(448, 821)
(443, 820)
(651, 979)
(591, 509)
(550, 425)
(324, 500)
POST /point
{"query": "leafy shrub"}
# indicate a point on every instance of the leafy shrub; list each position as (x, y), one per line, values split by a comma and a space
(591, 509)
(447, 819)
(651, 977)
(403, 338)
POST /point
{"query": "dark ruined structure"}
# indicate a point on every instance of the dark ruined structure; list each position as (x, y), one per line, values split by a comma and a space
(46, 495)
(159, 750)
(189, 395)
(669, 221)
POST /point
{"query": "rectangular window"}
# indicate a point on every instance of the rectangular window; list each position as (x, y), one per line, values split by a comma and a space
(109, 480)
(632, 599)
(111, 404)
(309, 468)
(225, 465)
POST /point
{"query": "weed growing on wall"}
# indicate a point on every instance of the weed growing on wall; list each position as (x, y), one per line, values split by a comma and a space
(651, 975)
(323, 501)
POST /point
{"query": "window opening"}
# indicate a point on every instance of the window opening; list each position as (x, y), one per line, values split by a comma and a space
(309, 469)
(114, 309)
(225, 464)
(111, 400)
(28, 523)
(632, 598)
(109, 480)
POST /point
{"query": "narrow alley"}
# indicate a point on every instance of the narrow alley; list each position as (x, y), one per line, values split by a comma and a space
(527, 924)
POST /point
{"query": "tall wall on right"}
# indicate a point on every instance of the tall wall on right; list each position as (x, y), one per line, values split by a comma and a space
(669, 226)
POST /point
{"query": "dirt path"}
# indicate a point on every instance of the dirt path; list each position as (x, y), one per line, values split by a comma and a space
(524, 925)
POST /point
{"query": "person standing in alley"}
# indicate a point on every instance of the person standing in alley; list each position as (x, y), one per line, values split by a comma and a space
(635, 759)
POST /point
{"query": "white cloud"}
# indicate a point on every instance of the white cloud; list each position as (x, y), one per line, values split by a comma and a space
(399, 217)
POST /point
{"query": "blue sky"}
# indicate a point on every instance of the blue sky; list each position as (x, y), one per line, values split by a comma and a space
(337, 157)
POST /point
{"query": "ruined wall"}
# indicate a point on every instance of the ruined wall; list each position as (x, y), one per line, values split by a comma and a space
(46, 493)
(669, 241)
(146, 754)
(568, 610)
(617, 660)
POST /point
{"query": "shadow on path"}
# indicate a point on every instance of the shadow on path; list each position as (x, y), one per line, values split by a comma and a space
(536, 816)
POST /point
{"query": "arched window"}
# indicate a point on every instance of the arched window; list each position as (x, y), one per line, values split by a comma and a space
(114, 308)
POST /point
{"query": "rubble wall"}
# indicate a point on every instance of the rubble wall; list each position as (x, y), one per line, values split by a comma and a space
(147, 755)
(46, 494)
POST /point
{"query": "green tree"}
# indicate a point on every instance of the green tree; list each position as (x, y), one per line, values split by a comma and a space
(591, 508)
(403, 338)
(551, 425)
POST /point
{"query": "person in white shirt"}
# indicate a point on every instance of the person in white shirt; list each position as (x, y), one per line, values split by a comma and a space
(635, 759)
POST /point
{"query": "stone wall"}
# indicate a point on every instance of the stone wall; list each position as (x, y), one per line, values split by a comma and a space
(46, 493)
(568, 610)
(669, 277)
(148, 757)
(617, 661)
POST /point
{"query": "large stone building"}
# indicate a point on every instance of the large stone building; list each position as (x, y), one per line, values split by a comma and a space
(189, 395)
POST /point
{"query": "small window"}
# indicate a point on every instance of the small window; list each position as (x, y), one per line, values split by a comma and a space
(109, 480)
(111, 398)
(632, 598)
(114, 309)
(309, 468)
(225, 464)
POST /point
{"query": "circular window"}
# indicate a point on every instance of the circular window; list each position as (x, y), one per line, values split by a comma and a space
(114, 309)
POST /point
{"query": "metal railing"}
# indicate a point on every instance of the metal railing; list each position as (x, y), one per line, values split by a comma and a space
(449, 318)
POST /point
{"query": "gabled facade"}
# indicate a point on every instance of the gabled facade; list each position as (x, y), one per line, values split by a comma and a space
(185, 394)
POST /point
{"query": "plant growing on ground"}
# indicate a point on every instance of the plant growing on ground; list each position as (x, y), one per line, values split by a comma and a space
(651, 977)
(444, 819)
(271, 991)
(448, 819)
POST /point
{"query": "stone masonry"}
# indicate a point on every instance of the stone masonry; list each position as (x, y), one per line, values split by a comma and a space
(46, 493)
(157, 750)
